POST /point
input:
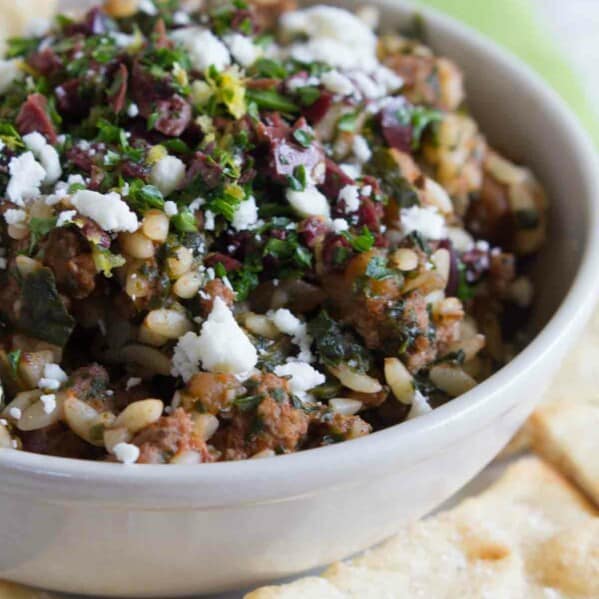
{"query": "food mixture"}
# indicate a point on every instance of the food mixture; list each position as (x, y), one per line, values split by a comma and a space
(242, 230)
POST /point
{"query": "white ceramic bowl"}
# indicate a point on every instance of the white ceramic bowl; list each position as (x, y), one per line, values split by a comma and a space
(108, 529)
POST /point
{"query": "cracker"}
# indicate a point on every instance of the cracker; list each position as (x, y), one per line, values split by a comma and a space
(530, 534)
(10, 590)
(567, 435)
(312, 588)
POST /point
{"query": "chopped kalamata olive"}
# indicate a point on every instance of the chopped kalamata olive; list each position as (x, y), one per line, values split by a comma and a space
(285, 154)
(370, 214)
(34, 116)
(397, 133)
(206, 168)
(174, 114)
(229, 263)
(335, 180)
(69, 101)
(46, 62)
(119, 96)
(316, 111)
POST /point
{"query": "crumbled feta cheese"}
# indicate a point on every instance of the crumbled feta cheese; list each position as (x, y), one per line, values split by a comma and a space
(209, 221)
(340, 225)
(132, 110)
(309, 202)
(427, 221)
(361, 149)
(350, 195)
(334, 36)
(49, 402)
(285, 321)
(168, 174)
(26, 176)
(204, 48)
(180, 17)
(134, 381)
(420, 406)
(353, 171)
(122, 40)
(15, 413)
(289, 324)
(222, 346)
(246, 215)
(243, 49)
(196, 204)
(9, 72)
(46, 155)
(303, 377)
(337, 83)
(15, 216)
(127, 453)
(108, 210)
(54, 377)
(66, 216)
(148, 7)
(170, 208)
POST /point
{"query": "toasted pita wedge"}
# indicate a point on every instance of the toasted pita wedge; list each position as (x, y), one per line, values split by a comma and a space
(567, 435)
(9, 590)
(528, 535)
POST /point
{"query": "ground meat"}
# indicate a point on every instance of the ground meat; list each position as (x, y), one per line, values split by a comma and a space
(334, 427)
(171, 435)
(90, 384)
(275, 424)
(69, 256)
(268, 12)
(212, 290)
(214, 392)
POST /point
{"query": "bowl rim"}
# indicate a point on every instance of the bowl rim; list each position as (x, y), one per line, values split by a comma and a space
(250, 481)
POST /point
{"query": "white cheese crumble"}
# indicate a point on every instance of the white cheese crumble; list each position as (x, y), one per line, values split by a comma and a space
(127, 453)
(66, 216)
(209, 221)
(353, 171)
(246, 215)
(289, 324)
(108, 210)
(15, 216)
(54, 377)
(168, 174)
(222, 346)
(420, 406)
(170, 208)
(243, 49)
(427, 221)
(132, 110)
(361, 149)
(340, 225)
(49, 402)
(350, 195)
(180, 17)
(309, 202)
(337, 83)
(46, 155)
(148, 7)
(26, 176)
(15, 413)
(303, 377)
(9, 72)
(204, 48)
(334, 36)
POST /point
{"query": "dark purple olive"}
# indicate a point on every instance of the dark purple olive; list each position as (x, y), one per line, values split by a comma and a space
(397, 134)
(335, 180)
(33, 116)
